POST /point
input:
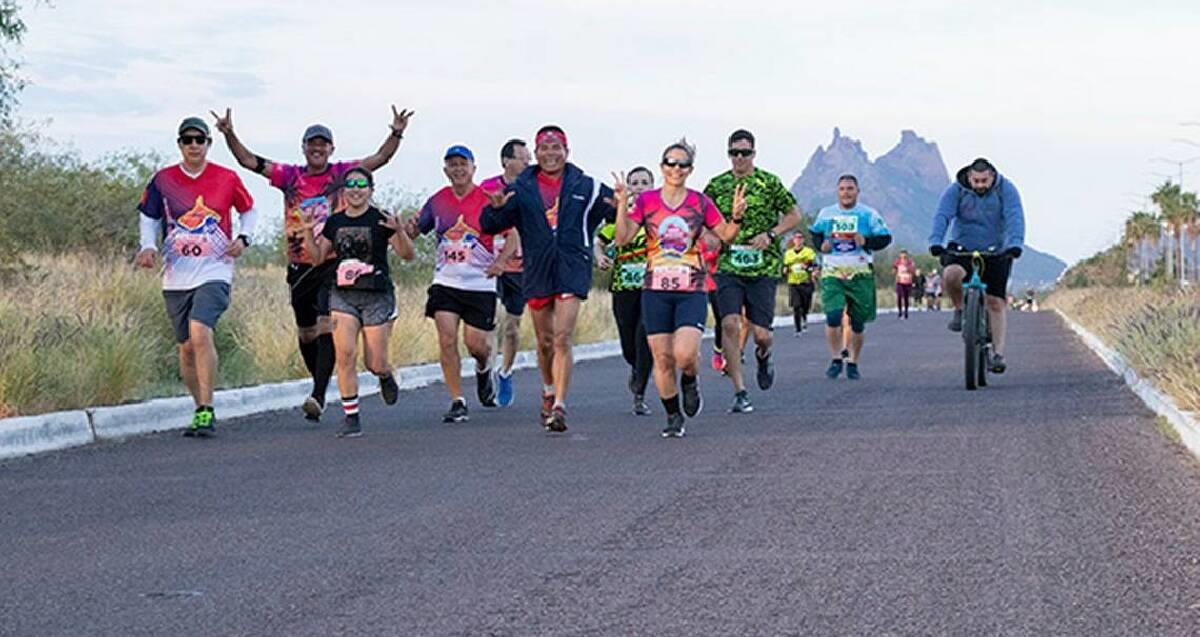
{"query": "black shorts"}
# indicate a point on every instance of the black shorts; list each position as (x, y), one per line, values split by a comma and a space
(756, 294)
(310, 291)
(477, 309)
(512, 295)
(995, 272)
(665, 312)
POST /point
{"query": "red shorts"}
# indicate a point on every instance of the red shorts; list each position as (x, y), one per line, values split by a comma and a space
(543, 302)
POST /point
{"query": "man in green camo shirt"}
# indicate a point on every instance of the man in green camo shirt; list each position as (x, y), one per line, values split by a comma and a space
(748, 269)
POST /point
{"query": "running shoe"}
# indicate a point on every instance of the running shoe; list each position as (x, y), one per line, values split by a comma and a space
(956, 321)
(674, 428)
(457, 413)
(350, 428)
(718, 361)
(766, 370)
(312, 409)
(205, 423)
(199, 419)
(547, 409)
(741, 403)
(693, 402)
(835, 368)
(997, 365)
(504, 395)
(798, 333)
(485, 387)
(388, 389)
(558, 419)
(640, 408)
(852, 371)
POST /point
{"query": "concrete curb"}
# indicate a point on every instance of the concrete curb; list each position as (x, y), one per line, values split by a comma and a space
(47, 432)
(1184, 423)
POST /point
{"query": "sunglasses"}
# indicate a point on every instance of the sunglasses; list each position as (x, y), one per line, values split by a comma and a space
(187, 140)
(675, 163)
(357, 183)
(741, 152)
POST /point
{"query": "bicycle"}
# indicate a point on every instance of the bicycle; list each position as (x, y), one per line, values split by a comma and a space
(976, 326)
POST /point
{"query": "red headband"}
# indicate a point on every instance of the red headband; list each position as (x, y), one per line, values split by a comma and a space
(551, 136)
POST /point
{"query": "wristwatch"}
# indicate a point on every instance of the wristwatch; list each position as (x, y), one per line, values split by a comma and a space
(245, 240)
(771, 234)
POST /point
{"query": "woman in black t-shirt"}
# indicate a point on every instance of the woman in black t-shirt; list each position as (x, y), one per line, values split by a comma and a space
(362, 299)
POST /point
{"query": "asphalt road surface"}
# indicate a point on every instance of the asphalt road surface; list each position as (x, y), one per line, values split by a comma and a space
(901, 504)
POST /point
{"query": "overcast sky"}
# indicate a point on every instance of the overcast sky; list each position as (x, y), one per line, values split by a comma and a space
(1071, 101)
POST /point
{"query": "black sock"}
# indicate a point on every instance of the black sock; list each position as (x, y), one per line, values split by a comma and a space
(671, 405)
(324, 366)
(687, 380)
(207, 408)
(308, 351)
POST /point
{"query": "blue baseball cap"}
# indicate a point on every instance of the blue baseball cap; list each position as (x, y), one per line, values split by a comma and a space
(318, 130)
(459, 150)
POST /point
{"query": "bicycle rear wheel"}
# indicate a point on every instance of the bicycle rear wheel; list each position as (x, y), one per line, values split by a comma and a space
(972, 321)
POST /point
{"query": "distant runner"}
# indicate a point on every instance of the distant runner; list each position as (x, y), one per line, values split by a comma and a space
(799, 263)
(904, 270)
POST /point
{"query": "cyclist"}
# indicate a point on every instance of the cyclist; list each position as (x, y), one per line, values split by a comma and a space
(673, 301)
(514, 158)
(987, 216)
(362, 298)
(191, 206)
(799, 261)
(848, 232)
(628, 278)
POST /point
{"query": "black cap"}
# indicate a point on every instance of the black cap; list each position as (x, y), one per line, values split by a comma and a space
(317, 130)
(193, 122)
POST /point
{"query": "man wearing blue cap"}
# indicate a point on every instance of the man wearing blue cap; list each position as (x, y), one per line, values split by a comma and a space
(312, 191)
(464, 284)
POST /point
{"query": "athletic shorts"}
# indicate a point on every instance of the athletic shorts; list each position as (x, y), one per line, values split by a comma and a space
(370, 307)
(475, 308)
(204, 304)
(665, 312)
(540, 302)
(995, 272)
(855, 295)
(512, 297)
(756, 294)
(310, 287)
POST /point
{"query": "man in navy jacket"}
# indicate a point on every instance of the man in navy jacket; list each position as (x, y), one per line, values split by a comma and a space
(556, 209)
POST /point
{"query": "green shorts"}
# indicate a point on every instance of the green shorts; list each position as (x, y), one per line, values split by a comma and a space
(858, 293)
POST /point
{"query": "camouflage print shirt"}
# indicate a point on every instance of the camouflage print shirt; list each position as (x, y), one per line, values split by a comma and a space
(767, 199)
(629, 260)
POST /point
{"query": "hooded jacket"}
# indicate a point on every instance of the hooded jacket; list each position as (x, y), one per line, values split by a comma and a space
(556, 261)
(994, 220)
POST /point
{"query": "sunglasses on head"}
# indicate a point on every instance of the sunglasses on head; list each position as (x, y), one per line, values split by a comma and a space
(681, 164)
(187, 140)
(361, 182)
(741, 152)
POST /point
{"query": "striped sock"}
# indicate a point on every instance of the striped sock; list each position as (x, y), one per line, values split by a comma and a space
(350, 405)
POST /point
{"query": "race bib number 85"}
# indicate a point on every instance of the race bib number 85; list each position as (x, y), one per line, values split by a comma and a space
(671, 279)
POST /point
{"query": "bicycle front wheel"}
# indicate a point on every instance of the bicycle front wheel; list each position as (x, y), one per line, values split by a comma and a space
(972, 339)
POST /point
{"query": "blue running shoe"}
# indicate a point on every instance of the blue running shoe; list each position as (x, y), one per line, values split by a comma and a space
(505, 395)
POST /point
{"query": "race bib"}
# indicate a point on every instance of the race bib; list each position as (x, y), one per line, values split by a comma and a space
(745, 257)
(671, 278)
(456, 252)
(632, 275)
(196, 245)
(350, 270)
(842, 233)
(798, 268)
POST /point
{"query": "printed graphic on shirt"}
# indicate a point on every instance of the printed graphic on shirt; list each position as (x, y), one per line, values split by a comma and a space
(464, 252)
(305, 194)
(839, 226)
(673, 262)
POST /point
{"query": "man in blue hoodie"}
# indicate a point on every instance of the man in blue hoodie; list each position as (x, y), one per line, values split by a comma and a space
(988, 217)
(556, 209)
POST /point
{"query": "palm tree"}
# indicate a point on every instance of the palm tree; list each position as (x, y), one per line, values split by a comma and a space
(1140, 228)
(1179, 211)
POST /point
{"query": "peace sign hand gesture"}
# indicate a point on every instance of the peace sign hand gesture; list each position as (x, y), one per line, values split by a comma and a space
(392, 222)
(620, 190)
(739, 202)
(400, 119)
(224, 124)
(498, 199)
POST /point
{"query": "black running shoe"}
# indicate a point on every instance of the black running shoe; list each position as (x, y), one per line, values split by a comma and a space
(766, 370)
(835, 368)
(312, 408)
(997, 365)
(457, 413)
(388, 389)
(693, 402)
(547, 410)
(485, 387)
(640, 408)
(350, 428)
(558, 419)
(741, 403)
(852, 371)
(674, 428)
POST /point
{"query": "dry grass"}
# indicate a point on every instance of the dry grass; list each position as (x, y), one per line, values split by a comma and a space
(1157, 331)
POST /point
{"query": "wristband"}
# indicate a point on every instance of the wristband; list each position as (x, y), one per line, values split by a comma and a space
(398, 133)
(259, 164)
(245, 240)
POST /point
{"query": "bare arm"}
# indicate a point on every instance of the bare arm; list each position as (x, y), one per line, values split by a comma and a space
(244, 157)
(626, 228)
(392, 143)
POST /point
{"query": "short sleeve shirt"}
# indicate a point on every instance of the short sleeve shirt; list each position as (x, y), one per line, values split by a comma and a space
(361, 243)
(673, 262)
(799, 264)
(767, 199)
(904, 271)
(629, 260)
(839, 225)
(464, 252)
(303, 193)
(197, 216)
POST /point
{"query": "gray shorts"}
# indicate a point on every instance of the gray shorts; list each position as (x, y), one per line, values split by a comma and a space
(370, 307)
(204, 304)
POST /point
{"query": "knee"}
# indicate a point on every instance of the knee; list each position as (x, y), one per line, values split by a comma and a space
(561, 341)
(995, 304)
(833, 318)
(858, 327)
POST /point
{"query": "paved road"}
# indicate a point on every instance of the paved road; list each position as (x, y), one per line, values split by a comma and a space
(901, 504)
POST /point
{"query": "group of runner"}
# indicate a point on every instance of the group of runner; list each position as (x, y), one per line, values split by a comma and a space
(526, 238)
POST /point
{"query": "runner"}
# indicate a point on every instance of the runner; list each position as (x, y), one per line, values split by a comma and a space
(190, 205)
(918, 289)
(749, 267)
(903, 266)
(556, 208)
(514, 158)
(673, 218)
(626, 285)
(933, 292)
(848, 232)
(710, 253)
(362, 299)
(313, 188)
(799, 261)
(464, 286)
(986, 212)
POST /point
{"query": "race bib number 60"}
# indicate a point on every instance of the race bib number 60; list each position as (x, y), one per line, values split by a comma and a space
(192, 246)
